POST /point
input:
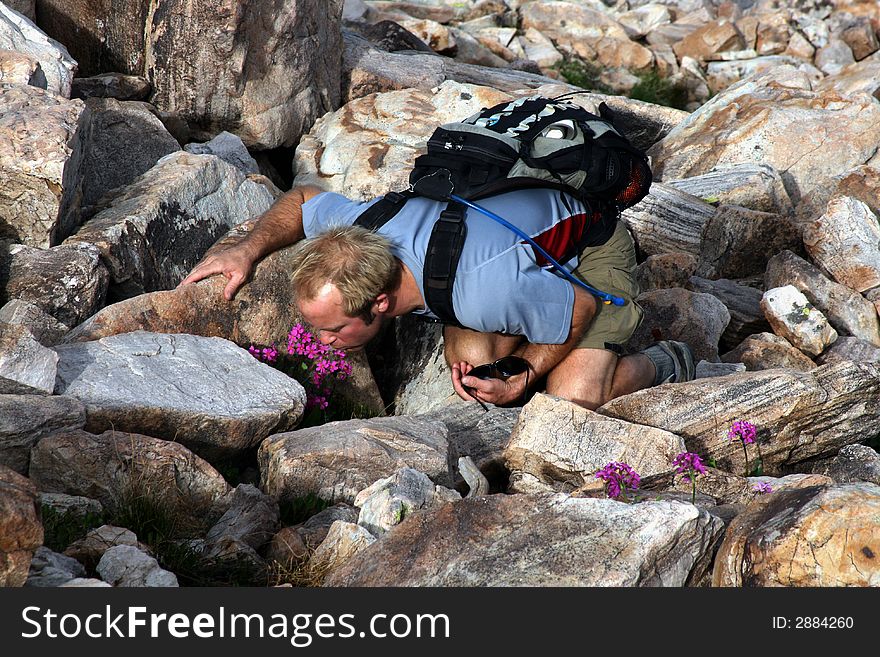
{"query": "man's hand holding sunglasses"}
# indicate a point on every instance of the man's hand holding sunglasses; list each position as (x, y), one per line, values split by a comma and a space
(503, 382)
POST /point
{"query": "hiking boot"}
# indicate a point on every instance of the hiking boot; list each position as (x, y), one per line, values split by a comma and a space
(682, 359)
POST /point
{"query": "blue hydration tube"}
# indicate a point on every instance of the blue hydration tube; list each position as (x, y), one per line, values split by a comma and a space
(604, 296)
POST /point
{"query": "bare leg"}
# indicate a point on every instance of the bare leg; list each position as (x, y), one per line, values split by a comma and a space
(476, 348)
(592, 377)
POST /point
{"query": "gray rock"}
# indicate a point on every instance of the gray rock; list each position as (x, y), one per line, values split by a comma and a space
(46, 330)
(707, 370)
(338, 460)
(476, 433)
(847, 311)
(206, 393)
(114, 144)
(737, 242)
(19, 33)
(115, 29)
(754, 186)
(314, 530)
(114, 467)
(772, 118)
(52, 569)
(111, 85)
(89, 549)
(742, 302)
(665, 270)
(68, 282)
(679, 314)
(25, 419)
(85, 582)
(344, 541)
(563, 445)
(540, 540)
(417, 379)
(160, 226)
(849, 348)
(231, 70)
(793, 317)
(25, 360)
(852, 464)
(764, 351)
(229, 148)
(34, 162)
(668, 220)
(389, 501)
(124, 565)
(798, 415)
(252, 518)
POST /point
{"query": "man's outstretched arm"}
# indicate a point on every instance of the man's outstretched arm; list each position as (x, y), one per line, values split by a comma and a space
(280, 226)
(541, 358)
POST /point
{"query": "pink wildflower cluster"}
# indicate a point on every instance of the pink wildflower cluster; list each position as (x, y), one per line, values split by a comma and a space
(762, 488)
(618, 477)
(316, 365)
(688, 465)
(742, 430)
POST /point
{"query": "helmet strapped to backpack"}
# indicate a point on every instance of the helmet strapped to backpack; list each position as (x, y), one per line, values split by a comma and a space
(524, 143)
(536, 142)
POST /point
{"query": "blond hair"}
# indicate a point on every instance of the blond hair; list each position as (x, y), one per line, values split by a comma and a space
(357, 261)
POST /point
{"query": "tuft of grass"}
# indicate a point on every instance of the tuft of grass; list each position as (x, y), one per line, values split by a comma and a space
(300, 509)
(658, 90)
(582, 74)
(62, 529)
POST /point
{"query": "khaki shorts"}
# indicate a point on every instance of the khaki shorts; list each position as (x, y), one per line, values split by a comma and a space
(611, 268)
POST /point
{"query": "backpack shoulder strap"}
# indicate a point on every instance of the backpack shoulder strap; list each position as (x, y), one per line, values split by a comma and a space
(441, 261)
(383, 210)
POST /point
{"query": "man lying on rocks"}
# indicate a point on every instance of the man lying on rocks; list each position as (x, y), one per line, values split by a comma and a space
(349, 280)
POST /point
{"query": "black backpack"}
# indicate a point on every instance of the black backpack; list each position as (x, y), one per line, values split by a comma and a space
(524, 143)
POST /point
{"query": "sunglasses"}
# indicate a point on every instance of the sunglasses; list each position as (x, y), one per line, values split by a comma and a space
(500, 369)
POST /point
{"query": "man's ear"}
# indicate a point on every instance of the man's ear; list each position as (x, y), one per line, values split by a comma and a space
(382, 303)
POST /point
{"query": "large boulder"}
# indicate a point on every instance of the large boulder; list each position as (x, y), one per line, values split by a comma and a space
(21, 531)
(815, 536)
(754, 186)
(34, 163)
(338, 460)
(774, 118)
(798, 415)
(25, 419)
(117, 468)
(224, 66)
(25, 360)
(160, 226)
(668, 220)
(18, 33)
(115, 143)
(678, 314)
(68, 282)
(562, 445)
(368, 147)
(845, 242)
(539, 540)
(205, 393)
(102, 35)
(263, 312)
(228, 68)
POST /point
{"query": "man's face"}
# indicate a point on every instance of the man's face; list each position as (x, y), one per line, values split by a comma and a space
(333, 327)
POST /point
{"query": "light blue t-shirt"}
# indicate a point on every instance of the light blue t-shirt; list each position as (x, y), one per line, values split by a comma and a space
(499, 286)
